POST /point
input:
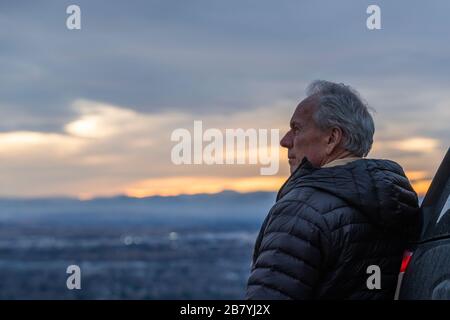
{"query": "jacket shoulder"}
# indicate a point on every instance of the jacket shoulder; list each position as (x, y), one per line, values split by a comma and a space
(316, 199)
(323, 208)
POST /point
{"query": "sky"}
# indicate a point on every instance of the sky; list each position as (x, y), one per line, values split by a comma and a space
(90, 112)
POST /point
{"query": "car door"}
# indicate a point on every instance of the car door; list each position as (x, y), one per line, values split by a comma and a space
(427, 267)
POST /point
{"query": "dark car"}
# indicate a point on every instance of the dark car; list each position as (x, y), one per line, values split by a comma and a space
(425, 271)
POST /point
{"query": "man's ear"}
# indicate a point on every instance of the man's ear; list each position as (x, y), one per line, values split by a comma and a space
(334, 139)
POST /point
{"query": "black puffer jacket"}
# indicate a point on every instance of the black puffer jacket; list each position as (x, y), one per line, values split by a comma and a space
(328, 225)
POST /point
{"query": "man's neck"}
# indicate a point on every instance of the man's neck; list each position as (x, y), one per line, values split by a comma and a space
(344, 154)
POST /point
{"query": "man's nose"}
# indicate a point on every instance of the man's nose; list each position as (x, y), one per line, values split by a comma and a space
(286, 142)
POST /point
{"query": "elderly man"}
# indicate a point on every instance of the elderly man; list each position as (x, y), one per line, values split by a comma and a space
(338, 213)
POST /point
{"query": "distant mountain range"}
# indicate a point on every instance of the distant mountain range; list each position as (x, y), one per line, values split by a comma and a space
(183, 210)
(227, 207)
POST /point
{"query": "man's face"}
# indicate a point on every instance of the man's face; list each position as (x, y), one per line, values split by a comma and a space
(305, 139)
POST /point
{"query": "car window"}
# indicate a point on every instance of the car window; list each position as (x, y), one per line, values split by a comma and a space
(435, 206)
(446, 210)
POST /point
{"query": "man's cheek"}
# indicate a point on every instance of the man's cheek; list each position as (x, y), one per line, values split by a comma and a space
(298, 148)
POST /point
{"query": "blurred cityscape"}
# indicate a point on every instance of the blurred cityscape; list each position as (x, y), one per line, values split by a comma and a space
(205, 255)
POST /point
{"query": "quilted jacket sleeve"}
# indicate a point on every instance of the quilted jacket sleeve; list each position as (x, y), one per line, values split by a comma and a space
(290, 253)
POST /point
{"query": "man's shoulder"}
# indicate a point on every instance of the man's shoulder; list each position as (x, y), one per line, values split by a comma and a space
(312, 198)
(319, 207)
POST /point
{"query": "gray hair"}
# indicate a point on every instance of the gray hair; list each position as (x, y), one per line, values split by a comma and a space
(341, 106)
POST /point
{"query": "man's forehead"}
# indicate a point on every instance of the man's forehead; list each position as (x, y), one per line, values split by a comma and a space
(304, 110)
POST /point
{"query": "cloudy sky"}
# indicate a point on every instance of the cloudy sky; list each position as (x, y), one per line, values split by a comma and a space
(90, 112)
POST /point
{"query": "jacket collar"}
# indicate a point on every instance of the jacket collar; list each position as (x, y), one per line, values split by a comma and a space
(305, 168)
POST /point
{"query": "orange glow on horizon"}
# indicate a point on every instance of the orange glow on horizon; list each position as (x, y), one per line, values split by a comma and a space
(421, 187)
(173, 186)
(419, 181)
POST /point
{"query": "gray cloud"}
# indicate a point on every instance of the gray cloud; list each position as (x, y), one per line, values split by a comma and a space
(210, 56)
